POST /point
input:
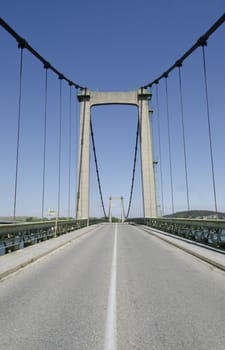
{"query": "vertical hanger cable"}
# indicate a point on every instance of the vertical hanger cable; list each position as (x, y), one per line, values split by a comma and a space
(160, 149)
(44, 143)
(169, 144)
(209, 126)
(69, 155)
(60, 145)
(183, 137)
(18, 131)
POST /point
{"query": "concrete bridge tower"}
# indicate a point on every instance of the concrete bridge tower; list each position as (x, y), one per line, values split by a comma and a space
(139, 99)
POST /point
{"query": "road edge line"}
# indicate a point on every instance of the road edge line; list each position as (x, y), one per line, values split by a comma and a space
(110, 341)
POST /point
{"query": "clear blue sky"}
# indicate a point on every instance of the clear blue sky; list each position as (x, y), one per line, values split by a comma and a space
(110, 46)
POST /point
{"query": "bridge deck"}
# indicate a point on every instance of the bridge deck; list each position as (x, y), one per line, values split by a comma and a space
(115, 287)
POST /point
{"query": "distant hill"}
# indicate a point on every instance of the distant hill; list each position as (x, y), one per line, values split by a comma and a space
(9, 219)
(197, 214)
(19, 219)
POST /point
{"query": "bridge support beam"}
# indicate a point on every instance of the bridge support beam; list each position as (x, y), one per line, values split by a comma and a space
(139, 99)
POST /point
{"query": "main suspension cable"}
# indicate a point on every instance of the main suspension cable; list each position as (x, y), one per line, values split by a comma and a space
(25, 45)
(203, 38)
(198, 43)
(134, 168)
(96, 167)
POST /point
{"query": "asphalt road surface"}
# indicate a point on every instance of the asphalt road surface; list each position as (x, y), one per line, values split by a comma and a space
(115, 288)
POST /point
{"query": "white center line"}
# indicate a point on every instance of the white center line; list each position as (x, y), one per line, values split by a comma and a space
(111, 333)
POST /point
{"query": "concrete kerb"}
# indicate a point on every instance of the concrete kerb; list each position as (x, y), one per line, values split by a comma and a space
(13, 262)
(209, 255)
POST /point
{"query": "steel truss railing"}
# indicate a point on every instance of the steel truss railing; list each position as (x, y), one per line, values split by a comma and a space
(209, 232)
(21, 235)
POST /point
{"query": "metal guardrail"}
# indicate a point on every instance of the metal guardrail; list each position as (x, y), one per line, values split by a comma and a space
(21, 235)
(209, 232)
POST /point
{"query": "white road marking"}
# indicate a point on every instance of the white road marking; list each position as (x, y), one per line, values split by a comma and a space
(111, 332)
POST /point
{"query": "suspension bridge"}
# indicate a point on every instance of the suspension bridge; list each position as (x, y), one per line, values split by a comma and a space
(100, 284)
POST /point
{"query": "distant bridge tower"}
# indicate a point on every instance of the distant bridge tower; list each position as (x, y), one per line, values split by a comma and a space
(137, 98)
(121, 205)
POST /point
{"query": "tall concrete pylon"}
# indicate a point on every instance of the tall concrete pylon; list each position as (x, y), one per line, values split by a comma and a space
(139, 99)
(121, 208)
